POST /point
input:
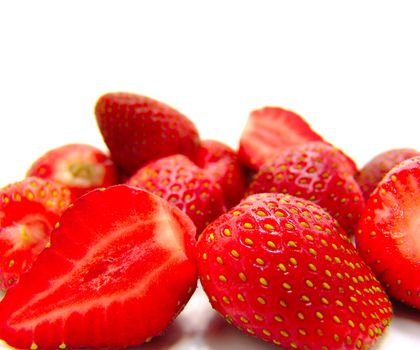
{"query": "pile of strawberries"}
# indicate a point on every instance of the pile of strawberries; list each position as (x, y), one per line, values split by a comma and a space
(291, 242)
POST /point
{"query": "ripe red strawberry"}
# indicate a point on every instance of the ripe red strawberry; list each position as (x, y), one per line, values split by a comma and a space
(185, 185)
(120, 268)
(221, 161)
(28, 212)
(280, 268)
(372, 172)
(138, 129)
(270, 129)
(389, 233)
(318, 172)
(80, 167)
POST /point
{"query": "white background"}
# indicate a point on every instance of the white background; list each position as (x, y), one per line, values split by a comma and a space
(351, 69)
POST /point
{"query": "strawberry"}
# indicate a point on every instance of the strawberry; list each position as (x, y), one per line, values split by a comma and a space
(388, 237)
(318, 172)
(185, 185)
(221, 161)
(119, 270)
(279, 268)
(79, 167)
(372, 172)
(138, 129)
(29, 209)
(270, 129)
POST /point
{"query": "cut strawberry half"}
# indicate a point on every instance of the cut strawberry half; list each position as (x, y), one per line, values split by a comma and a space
(389, 232)
(119, 270)
(29, 210)
(270, 129)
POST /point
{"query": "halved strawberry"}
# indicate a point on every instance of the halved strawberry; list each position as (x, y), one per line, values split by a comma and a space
(29, 209)
(185, 185)
(80, 167)
(372, 172)
(270, 129)
(221, 162)
(279, 268)
(389, 232)
(138, 129)
(119, 270)
(318, 172)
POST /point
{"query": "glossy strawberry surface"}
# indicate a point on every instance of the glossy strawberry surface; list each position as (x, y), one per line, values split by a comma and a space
(138, 129)
(389, 232)
(185, 185)
(80, 167)
(118, 271)
(29, 209)
(280, 268)
(318, 172)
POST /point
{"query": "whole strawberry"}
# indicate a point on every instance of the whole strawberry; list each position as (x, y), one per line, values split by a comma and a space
(221, 162)
(279, 268)
(80, 167)
(138, 129)
(119, 269)
(372, 172)
(29, 209)
(185, 185)
(318, 172)
(389, 232)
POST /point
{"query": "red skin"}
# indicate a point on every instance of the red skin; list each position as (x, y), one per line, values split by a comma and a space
(279, 268)
(138, 129)
(79, 167)
(221, 162)
(318, 172)
(269, 130)
(388, 234)
(372, 172)
(119, 270)
(185, 185)
(29, 209)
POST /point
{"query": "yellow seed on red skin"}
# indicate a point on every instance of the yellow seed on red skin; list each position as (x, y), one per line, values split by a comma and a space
(271, 244)
(226, 300)
(293, 261)
(260, 261)
(278, 318)
(269, 227)
(263, 281)
(234, 253)
(249, 241)
(284, 333)
(240, 297)
(222, 279)
(266, 332)
(261, 300)
(227, 232)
